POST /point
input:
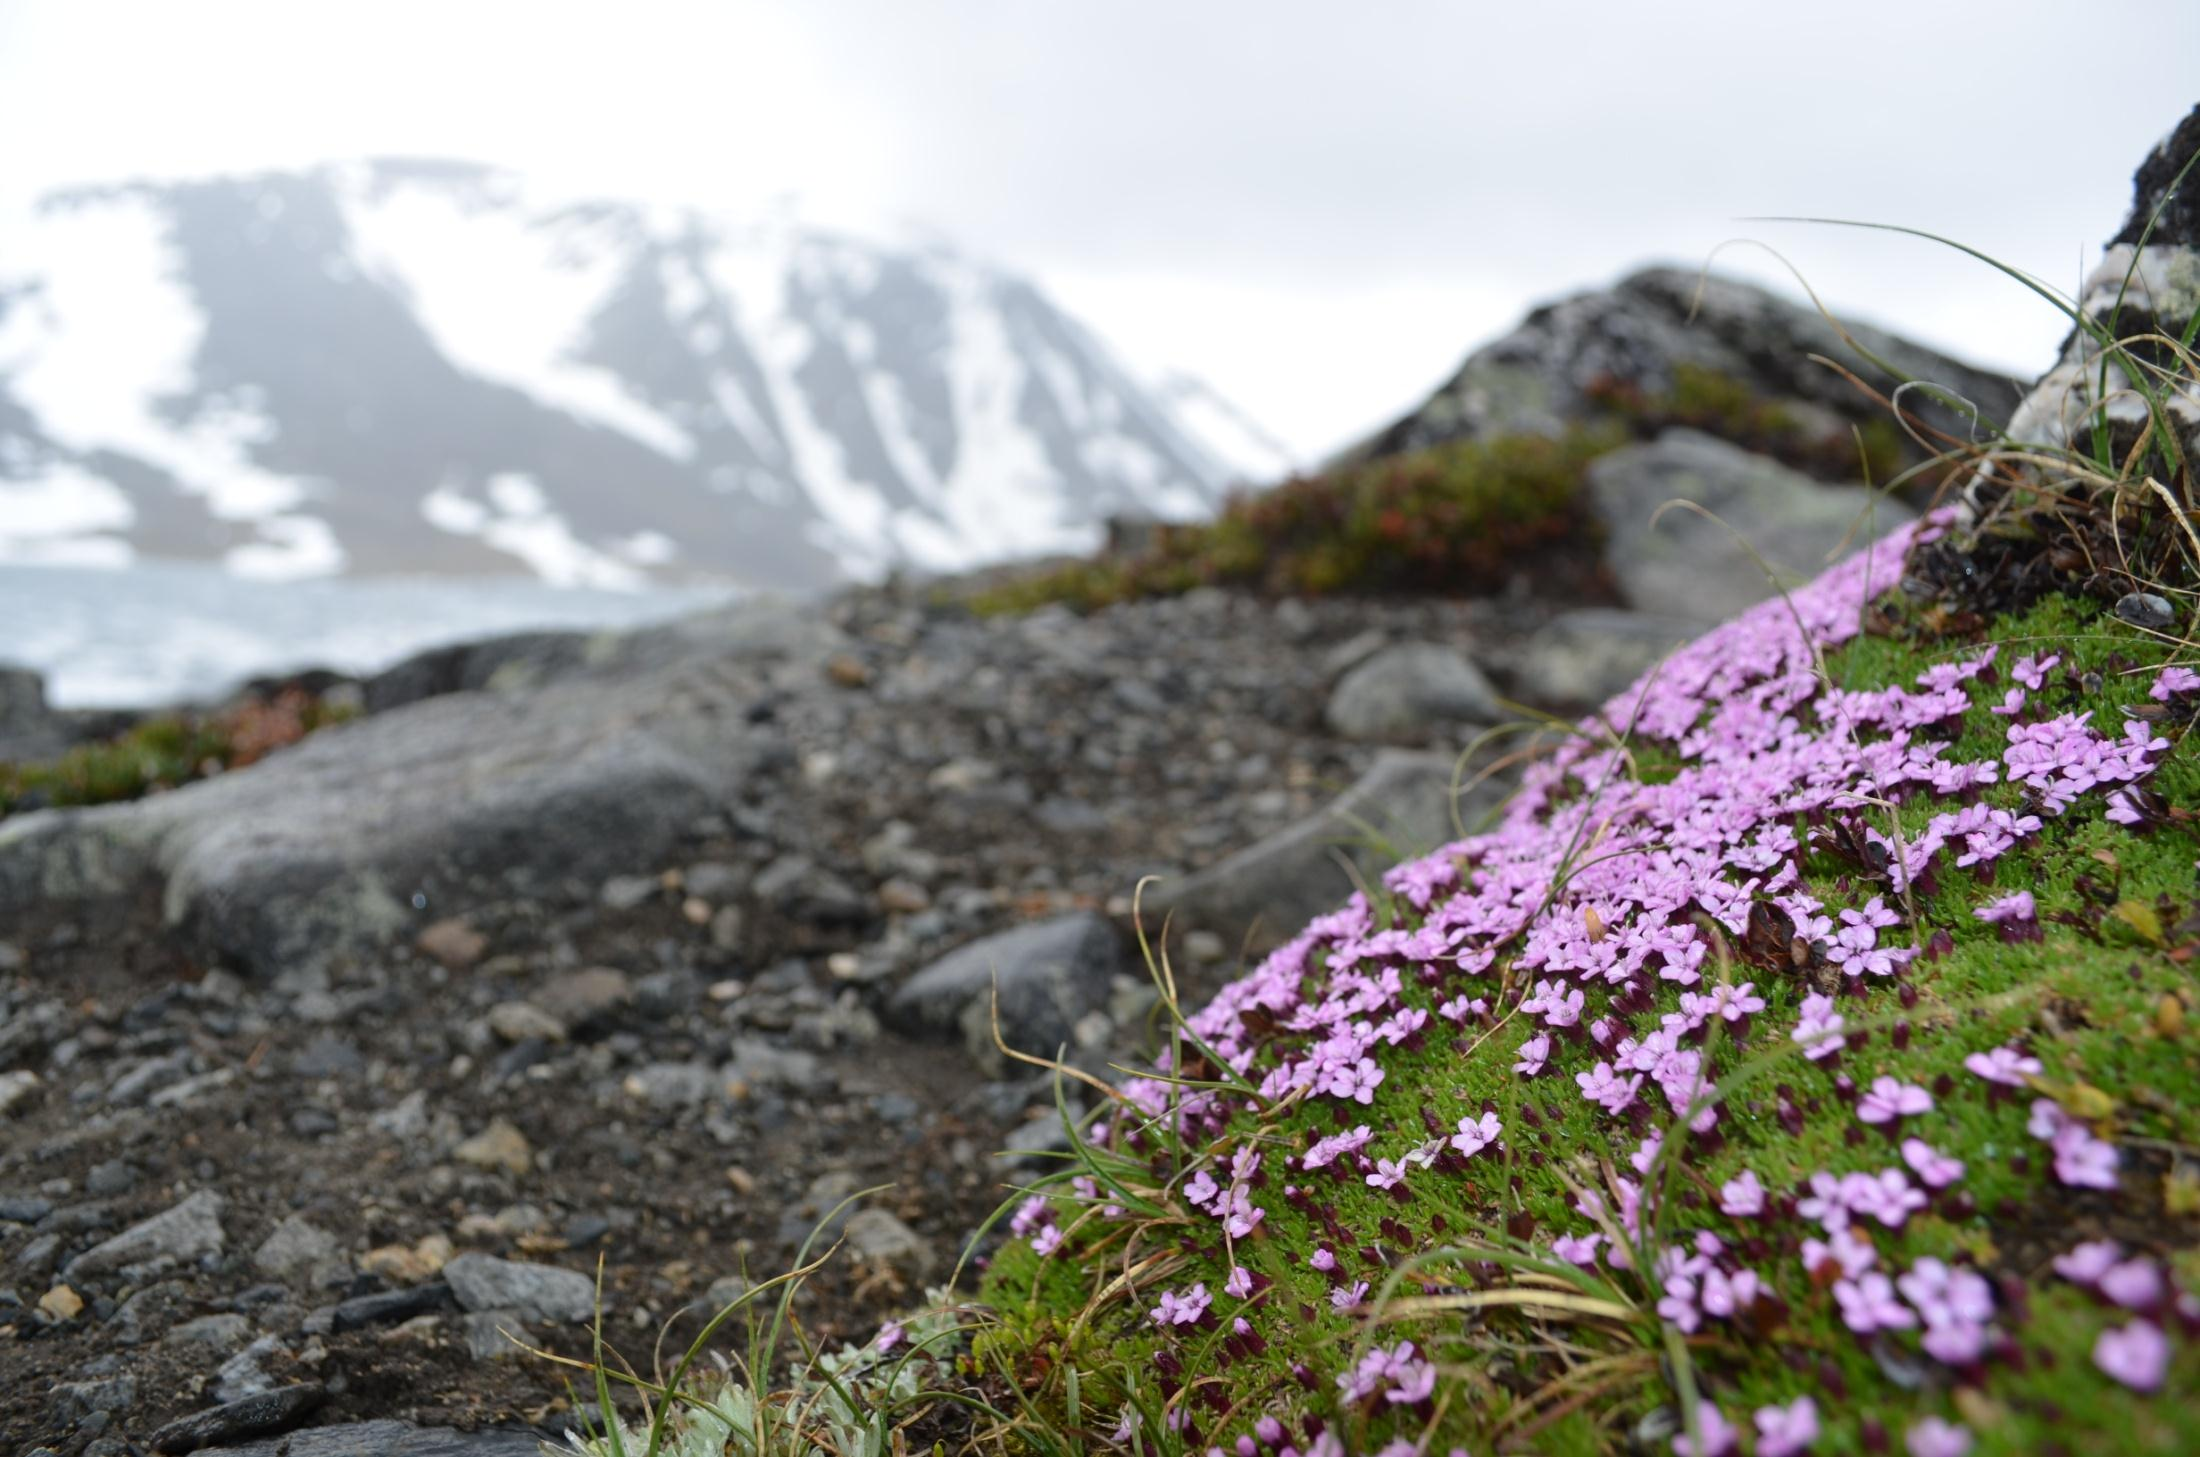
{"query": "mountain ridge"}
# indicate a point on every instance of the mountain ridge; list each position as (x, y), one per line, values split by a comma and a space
(409, 365)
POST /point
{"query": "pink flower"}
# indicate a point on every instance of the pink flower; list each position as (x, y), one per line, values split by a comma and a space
(1185, 1309)
(1533, 1053)
(1888, 1100)
(1600, 1085)
(1323, 1259)
(1387, 1175)
(1785, 1431)
(1345, 1297)
(2004, 1065)
(1576, 1249)
(1742, 1196)
(1934, 1169)
(2137, 1354)
(1719, 1436)
(1240, 1284)
(1476, 1134)
(2083, 1161)
(890, 1335)
(2032, 672)
(2085, 1264)
(2134, 1284)
(1933, 1437)
(1047, 1241)
(2171, 681)
(1868, 1304)
(1819, 1028)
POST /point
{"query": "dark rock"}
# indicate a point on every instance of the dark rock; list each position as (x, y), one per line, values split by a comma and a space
(254, 1416)
(24, 1208)
(587, 999)
(1050, 974)
(389, 1306)
(1411, 692)
(1686, 566)
(328, 1056)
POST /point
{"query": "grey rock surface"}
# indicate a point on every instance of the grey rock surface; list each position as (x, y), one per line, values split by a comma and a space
(538, 1292)
(1412, 691)
(1050, 974)
(185, 1231)
(1540, 377)
(1261, 895)
(1579, 659)
(392, 1439)
(253, 1416)
(1676, 563)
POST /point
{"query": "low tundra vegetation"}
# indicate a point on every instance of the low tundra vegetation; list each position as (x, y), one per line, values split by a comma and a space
(165, 751)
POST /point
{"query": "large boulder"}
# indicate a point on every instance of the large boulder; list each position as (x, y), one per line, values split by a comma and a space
(1678, 563)
(28, 728)
(1050, 974)
(343, 842)
(1261, 895)
(1545, 374)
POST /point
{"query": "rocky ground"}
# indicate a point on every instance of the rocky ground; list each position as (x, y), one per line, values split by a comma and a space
(220, 1179)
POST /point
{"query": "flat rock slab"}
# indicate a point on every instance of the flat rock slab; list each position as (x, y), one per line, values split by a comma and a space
(1261, 896)
(1689, 567)
(1050, 974)
(392, 1439)
(254, 1416)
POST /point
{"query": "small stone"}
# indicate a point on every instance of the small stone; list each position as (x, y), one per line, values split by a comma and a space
(254, 1416)
(715, 880)
(16, 1089)
(847, 670)
(408, 1264)
(695, 911)
(743, 1182)
(725, 928)
(542, 1292)
(902, 895)
(453, 943)
(582, 999)
(521, 1021)
(1411, 691)
(2147, 611)
(1205, 948)
(673, 1084)
(110, 1179)
(328, 1056)
(298, 1249)
(500, 1146)
(497, 1335)
(187, 1231)
(61, 1303)
(723, 1292)
(219, 1334)
(877, 1237)
(627, 892)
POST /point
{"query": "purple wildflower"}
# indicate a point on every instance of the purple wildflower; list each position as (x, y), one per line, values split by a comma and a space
(1785, 1431)
(1719, 1436)
(1934, 1169)
(2004, 1065)
(1888, 1100)
(1934, 1437)
(2085, 1264)
(2137, 1354)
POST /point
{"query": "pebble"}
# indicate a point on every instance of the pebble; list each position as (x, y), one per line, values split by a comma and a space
(522, 1021)
(500, 1147)
(16, 1090)
(453, 943)
(61, 1303)
(298, 1249)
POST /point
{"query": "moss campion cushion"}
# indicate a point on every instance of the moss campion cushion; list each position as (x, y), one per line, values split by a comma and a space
(1802, 1064)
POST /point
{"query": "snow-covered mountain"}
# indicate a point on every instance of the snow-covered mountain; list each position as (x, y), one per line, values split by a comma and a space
(413, 367)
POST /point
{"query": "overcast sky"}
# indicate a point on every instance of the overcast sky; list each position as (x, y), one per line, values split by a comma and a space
(1318, 208)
